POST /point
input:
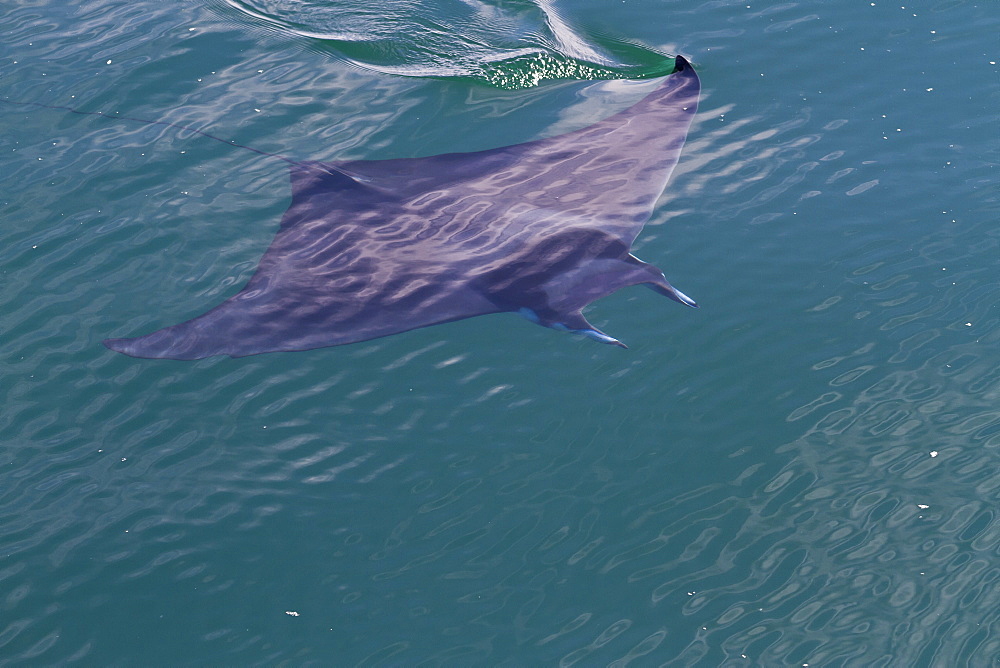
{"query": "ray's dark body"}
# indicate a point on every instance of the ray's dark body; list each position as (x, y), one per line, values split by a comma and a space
(372, 248)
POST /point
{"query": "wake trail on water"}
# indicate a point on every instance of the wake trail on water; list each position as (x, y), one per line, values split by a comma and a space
(510, 45)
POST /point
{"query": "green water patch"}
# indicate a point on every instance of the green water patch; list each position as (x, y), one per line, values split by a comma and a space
(525, 71)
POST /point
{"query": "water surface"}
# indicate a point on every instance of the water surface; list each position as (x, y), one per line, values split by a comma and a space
(802, 471)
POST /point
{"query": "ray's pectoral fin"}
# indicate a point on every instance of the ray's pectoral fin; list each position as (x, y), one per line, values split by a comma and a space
(571, 291)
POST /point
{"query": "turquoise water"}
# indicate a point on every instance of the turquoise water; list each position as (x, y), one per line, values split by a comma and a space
(805, 470)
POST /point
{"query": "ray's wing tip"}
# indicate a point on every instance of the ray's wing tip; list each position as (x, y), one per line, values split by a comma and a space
(140, 348)
(117, 345)
(127, 347)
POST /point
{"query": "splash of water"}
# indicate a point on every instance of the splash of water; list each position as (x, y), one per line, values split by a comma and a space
(510, 44)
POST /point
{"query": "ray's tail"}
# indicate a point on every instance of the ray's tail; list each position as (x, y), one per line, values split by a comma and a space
(227, 142)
